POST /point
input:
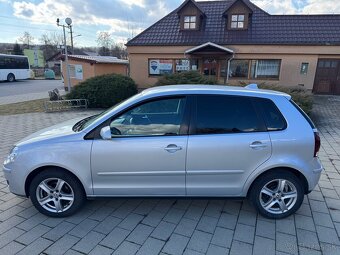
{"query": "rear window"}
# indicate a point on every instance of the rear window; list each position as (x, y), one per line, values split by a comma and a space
(272, 116)
(303, 114)
(226, 114)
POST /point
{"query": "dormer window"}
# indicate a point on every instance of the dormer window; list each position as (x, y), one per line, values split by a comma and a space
(237, 21)
(189, 22)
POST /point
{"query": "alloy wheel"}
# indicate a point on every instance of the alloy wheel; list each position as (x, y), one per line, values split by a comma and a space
(55, 195)
(278, 196)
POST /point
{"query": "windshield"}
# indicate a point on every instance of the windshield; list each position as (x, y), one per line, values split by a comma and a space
(84, 123)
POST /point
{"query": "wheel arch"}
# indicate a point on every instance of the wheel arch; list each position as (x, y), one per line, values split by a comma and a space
(296, 172)
(38, 170)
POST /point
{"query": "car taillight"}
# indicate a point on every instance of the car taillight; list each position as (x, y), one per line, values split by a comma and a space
(317, 143)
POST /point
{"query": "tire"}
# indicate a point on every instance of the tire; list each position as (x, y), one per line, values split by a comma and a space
(10, 77)
(49, 200)
(280, 202)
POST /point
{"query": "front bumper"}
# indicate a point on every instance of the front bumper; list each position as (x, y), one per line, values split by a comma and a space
(15, 182)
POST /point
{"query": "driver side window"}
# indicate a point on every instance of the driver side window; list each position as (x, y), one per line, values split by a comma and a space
(155, 118)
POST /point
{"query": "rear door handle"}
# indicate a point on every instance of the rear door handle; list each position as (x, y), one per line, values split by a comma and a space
(172, 148)
(258, 145)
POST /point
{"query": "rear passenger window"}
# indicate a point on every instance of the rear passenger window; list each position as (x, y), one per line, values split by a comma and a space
(226, 114)
(271, 114)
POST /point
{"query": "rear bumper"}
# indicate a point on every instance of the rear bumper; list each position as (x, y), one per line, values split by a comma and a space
(315, 174)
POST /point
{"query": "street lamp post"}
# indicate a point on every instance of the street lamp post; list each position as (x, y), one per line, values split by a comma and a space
(68, 22)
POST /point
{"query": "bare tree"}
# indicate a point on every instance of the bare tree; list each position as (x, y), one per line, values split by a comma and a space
(26, 39)
(50, 43)
(104, 41)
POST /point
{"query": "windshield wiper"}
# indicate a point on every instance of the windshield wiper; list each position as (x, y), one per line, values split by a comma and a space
(80, 124)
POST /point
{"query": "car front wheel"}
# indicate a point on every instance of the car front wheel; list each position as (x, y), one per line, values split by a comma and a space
(56, 193)
(277, 195)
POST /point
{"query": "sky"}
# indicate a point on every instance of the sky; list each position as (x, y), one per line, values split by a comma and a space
(123, 19)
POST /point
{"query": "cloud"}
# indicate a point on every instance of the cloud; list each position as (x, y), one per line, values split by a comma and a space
(126, 18)
(299, 6)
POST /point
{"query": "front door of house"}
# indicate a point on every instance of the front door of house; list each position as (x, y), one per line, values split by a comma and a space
(327, 78)
(210, 67)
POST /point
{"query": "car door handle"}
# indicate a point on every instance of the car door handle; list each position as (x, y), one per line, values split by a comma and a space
(258, 145)
(172, 148)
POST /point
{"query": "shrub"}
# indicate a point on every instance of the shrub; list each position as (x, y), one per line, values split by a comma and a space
(300, 95)
(192, 77)
(104, 91)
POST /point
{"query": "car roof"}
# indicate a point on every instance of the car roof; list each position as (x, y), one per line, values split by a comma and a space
(211, 89)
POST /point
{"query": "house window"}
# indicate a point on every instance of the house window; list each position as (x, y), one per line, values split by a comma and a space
(304, 68)
(239, 68)
(265, 69)
(252, 69)
(189, 22)
(237, 21)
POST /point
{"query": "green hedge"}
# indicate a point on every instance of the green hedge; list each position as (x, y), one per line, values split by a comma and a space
(300, 95)
(104, 91)
(192, 77)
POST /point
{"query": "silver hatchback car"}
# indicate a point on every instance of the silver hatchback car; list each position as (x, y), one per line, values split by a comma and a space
(174, 141)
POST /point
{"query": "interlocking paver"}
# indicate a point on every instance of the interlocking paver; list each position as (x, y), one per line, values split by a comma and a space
(238, 247)
(207, 224)
(140, 234)
(12, 248)
(199, 241)
(151, 247)
(115, 238)
(127, 248)
(33, 234)
(217, 250)
(37, 247)
(86, 244)
(163, 230)
(59, 231)
(263, 246)
(83, 228)
(62, 245)
(107, 225)
(222, 237)
(176, 244)
(308, 239)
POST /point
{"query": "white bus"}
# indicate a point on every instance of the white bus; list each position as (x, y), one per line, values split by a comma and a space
(14, 67)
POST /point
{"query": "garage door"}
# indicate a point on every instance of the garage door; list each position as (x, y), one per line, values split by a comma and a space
(327, 78)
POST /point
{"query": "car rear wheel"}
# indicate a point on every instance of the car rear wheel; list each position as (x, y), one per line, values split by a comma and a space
(277, 195)
(56, 193)
(10, 77)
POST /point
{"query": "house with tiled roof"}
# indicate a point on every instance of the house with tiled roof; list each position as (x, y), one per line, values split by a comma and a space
(236, 41)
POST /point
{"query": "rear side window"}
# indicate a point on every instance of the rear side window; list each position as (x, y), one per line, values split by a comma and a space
(271, 115)
(217, 114)
(303, 114)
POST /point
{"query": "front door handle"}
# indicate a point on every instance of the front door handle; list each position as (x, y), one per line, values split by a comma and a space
(258, 145)
(172, 148)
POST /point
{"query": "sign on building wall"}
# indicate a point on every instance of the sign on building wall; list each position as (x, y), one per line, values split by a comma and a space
(76, 72)
(182, 65)
(160, 66)
(35, 57)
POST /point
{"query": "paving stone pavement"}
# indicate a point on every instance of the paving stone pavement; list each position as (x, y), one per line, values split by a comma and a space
(170, 226)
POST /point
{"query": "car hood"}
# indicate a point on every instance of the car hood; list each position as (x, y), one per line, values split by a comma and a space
(63, 129)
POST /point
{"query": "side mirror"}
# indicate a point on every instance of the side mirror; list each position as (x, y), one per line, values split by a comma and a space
(105, 133)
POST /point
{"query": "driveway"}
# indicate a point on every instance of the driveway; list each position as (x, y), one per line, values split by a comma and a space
(25, 90)
(170, 226)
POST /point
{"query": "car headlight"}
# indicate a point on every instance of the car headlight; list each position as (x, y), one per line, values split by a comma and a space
(11, 156)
